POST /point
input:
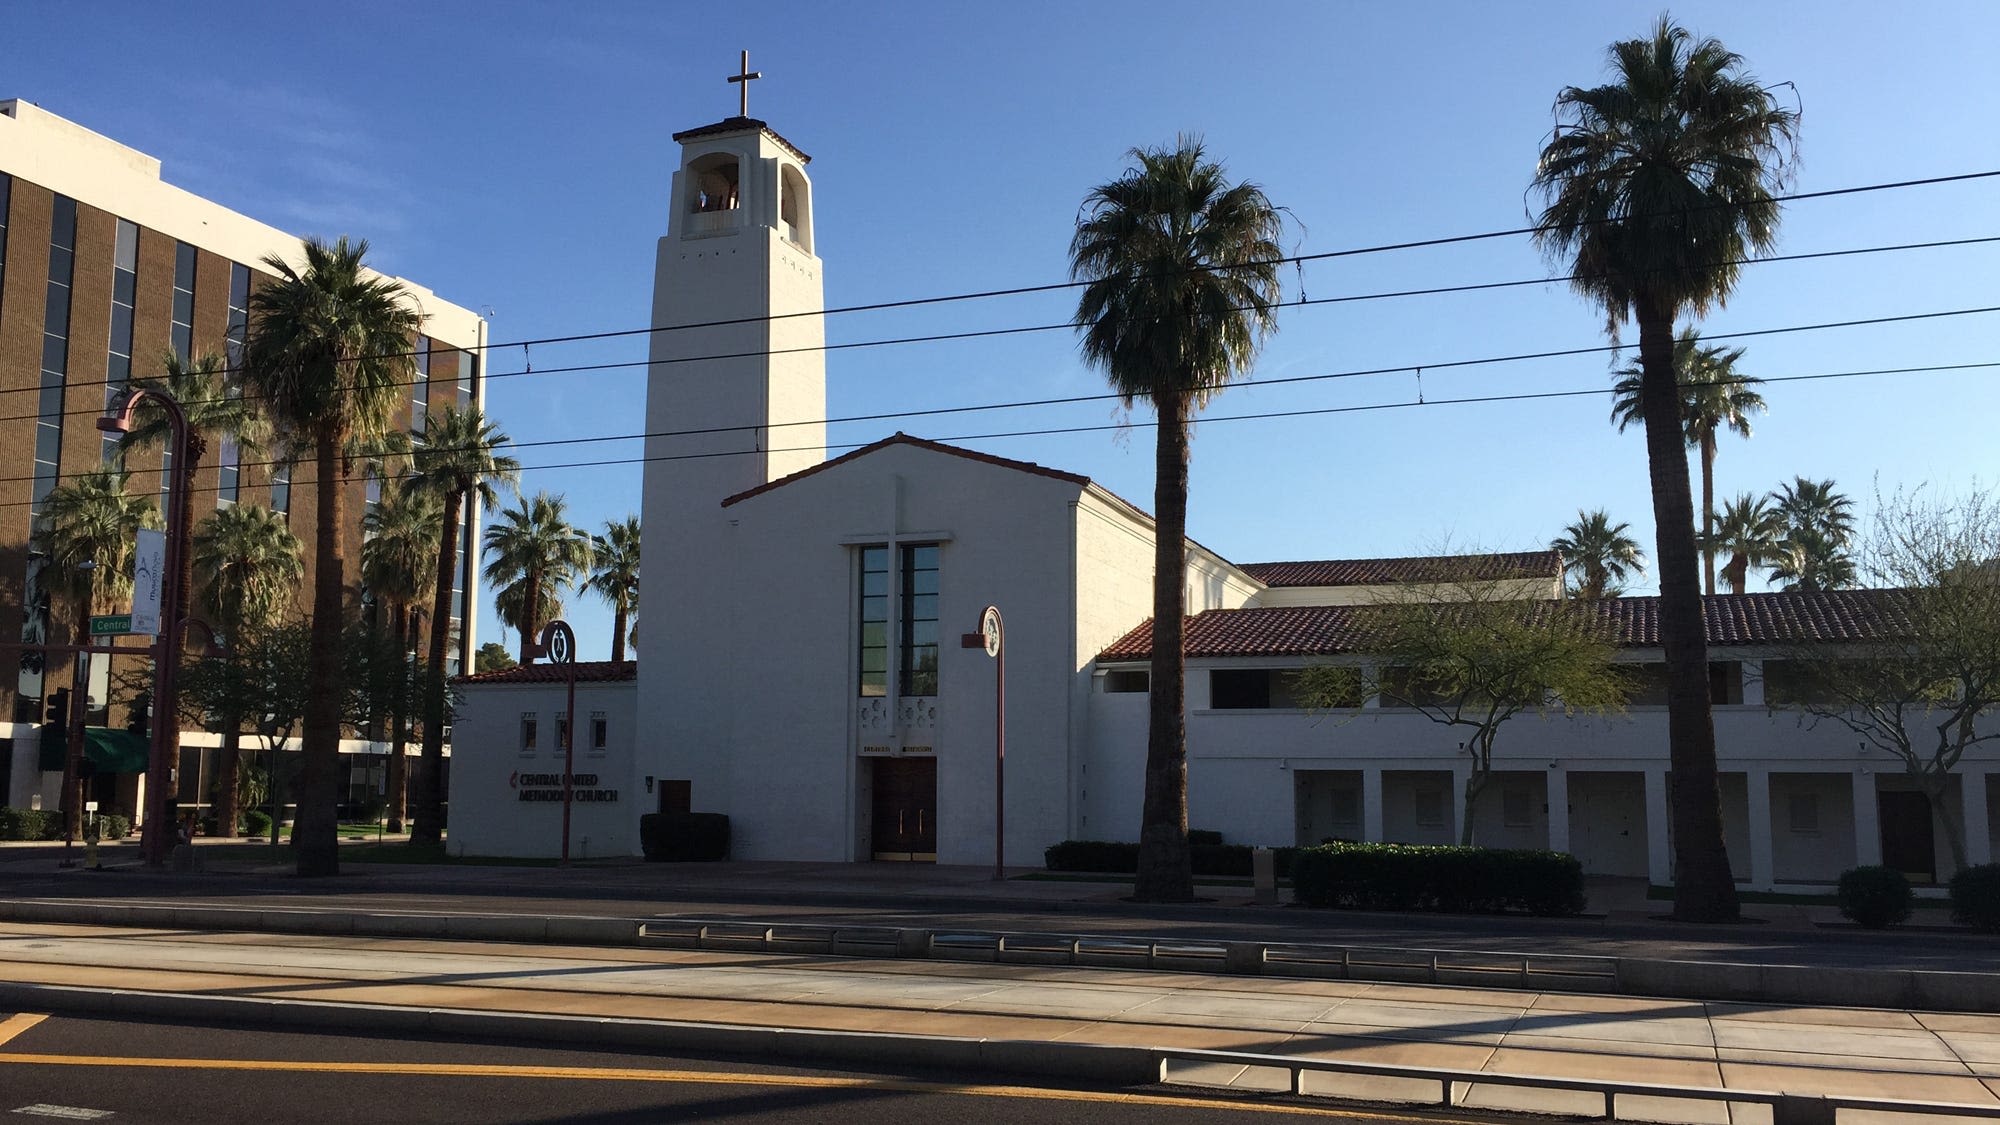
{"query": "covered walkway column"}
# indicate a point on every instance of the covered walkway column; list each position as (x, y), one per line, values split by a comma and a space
(1867, 821)
(1558, 801)
(1758, 785)
(1978, 832)
(1371, 804)
(1659, 848)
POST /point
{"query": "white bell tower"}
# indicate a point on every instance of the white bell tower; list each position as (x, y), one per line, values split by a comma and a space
(736, 402)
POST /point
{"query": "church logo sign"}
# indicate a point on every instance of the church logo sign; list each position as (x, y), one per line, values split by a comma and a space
(549, 787)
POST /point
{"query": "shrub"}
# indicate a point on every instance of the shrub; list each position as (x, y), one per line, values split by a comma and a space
(1975, 897)
(1456, 880)
(1875, 897)
(255, 822)
(681, 837)
(367, 811)
(30, 824)
(1202, 836)
(110, 826)
(1093, 856)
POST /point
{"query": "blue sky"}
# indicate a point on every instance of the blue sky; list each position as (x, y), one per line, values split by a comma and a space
(517, 157)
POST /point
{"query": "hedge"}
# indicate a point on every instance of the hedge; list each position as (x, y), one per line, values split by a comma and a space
(1875, 897)
(1115, 858)
(1975, 897)
(1457, 880)
(682, 837)
(31, 824)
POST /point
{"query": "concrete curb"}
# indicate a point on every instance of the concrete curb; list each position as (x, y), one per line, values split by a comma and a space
(1087, 1062)
(1925, 990)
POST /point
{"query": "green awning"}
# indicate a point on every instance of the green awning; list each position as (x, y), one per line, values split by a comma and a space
(110, 749)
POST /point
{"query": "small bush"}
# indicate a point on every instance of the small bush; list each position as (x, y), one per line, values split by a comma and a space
(683, 837)
(1198, 837)
(255, 822)
(1975, 897)
(30, 824)
(1456, 880)
(112, 826)
(367, 811)
(1875, 897)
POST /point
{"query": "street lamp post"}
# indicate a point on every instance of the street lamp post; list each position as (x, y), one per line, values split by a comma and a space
(157, 837)
(992, 637)
(558, 644)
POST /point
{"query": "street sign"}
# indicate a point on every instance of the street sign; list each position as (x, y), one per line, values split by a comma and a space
(149, 565)
(111, 625)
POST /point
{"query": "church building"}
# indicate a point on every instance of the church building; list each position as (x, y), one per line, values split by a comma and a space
(801, 668)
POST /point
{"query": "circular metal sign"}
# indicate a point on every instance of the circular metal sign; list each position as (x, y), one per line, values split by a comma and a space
(989, 624)
(559, 643)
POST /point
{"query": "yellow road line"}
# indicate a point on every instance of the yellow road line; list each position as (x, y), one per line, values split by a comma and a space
(16, 1024)
(699, 1077)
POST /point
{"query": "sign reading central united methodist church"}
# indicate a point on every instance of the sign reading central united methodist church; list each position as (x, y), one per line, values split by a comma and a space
(549, 787)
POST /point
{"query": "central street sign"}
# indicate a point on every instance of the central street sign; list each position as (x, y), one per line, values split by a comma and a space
(111, 625)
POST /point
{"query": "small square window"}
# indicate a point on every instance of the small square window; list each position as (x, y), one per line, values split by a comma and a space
(1430, 808)
(529, 726)
(600, 730)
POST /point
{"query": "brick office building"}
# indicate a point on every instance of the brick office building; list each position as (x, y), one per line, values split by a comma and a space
(104, 267)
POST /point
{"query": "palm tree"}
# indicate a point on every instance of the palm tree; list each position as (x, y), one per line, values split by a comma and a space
(614, 576)
(1181, 285)
(1600, 553)
(329, 353)
(1657, 184)
(1714, 397)
(1815, 524)
(246, 564)
(536, 556)
(456, 456)
(86, 528)
(398, 557)
(1747, 531)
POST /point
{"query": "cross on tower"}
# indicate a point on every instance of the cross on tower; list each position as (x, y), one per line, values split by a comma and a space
(743, 78)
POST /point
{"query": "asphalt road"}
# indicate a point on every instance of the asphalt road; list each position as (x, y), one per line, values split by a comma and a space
(63, 1068)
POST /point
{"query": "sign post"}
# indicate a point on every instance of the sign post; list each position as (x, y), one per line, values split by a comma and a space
(111, 625)
(992, 637)
(558, 644)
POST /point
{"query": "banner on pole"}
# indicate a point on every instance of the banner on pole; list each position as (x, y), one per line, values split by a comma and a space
(149, 564)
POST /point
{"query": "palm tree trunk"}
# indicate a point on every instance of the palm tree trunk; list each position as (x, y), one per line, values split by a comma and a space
(427, 826)
(1708, 513)
(1164, 873)
(1704, 889)
(1737, 573)
(167, 708)
(618, 634)
(315, 839)
(399, 765)
(531, 606)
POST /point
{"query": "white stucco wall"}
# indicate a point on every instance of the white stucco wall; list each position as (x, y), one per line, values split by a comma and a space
(488, 817)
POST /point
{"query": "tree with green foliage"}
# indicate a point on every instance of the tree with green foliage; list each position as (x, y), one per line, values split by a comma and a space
(329, 354)
(1467, 656)
(1598, 555)
(1815, 531)
(1658, 185)
(1747, 531)
(493, 657)
(535, 556)
(1715, 396)
(247, 566)
(1925, 688)
(398, 555)
(614, 576)
(1180, 273)
(264, 675)
(456, 458)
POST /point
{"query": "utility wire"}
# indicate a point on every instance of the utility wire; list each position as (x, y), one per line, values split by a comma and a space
(1474, 287)
(1518, 396)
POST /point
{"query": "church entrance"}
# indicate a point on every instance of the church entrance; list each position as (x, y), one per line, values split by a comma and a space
(905, 809)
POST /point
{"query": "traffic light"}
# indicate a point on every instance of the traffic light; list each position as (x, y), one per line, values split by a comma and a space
(58, 709)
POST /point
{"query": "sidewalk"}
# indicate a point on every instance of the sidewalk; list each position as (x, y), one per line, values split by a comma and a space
(1876, 1053)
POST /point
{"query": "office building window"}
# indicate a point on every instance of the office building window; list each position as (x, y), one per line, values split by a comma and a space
(55, 351)
(468, 378)
(239, 317)
(420, 388)
(6, 197)
(874, 621)
(281, 489)
(229, 474)
(920, 620)
(183, 328)
(118, 361)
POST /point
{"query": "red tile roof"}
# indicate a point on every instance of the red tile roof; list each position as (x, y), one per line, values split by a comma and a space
(730, 125)
(900, 438)
(587, 672)
(1417, 568)
(1732, 619)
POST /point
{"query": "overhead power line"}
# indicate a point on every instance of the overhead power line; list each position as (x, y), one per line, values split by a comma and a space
(1474, 287)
